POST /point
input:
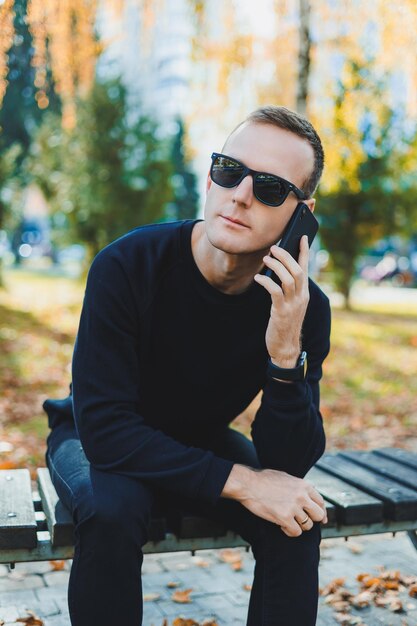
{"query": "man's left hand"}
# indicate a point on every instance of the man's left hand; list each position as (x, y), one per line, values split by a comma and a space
(289, 303)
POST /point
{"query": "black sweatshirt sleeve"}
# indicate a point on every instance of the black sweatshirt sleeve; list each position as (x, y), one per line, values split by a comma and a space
(106, 395)
(288, 428)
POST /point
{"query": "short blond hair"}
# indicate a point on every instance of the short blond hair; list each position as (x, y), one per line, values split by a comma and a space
(295, 123)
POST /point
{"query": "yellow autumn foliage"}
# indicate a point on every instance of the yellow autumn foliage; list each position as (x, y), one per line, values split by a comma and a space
(6, 39)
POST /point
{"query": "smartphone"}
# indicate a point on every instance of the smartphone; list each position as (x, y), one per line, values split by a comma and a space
(302, 222)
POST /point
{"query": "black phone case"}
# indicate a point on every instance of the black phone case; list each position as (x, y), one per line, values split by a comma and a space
(302, 222)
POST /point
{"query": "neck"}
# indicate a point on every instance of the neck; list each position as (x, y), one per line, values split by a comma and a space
(231, 274)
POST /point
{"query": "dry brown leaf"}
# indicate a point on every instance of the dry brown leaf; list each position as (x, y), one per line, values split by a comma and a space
(348, 620)
(247, 587)
(396, 606)
(343, 618)
(391, 575)
(362, 599)
(237, 566)
(391, 584)
(341, 605)
(413, 591)
(360, 577)
(332, 586)
(371, 582)
(382, 601)
(355, 548)
(57, 566)
(173, 584)
(230, 556)
(209, 622)
(183, 597)
(179, 621)
(149, 597)
(31, 620)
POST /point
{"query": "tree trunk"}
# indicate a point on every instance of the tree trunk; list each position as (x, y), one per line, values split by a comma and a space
(304, 56)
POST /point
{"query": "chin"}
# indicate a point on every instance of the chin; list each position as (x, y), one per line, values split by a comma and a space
(231, 244)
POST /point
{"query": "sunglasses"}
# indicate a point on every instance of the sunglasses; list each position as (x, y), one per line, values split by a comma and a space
(267, 188)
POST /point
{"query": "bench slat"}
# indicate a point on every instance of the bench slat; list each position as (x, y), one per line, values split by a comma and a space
(403, 474)
(402, 456)
(353, 506)
(58, 518)
(400, 503)
(17, 514)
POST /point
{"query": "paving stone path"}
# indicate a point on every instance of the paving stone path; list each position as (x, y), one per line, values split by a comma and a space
(219, 592)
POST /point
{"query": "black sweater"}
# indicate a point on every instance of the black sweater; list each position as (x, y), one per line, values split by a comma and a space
(162, 357)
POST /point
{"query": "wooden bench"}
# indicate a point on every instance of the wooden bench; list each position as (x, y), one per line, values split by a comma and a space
(365, 493)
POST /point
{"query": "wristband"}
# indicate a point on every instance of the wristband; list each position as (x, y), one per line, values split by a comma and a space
(289, 373)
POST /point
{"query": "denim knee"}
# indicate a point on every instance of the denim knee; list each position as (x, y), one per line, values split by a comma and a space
(117, 507)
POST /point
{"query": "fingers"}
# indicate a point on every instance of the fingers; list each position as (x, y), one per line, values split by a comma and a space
(304, 521)
(318, 499)
(292, 274)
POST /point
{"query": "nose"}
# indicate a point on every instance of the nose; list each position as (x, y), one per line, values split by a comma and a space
(243, 193)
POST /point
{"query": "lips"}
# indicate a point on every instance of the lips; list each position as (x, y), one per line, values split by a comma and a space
(234, 220)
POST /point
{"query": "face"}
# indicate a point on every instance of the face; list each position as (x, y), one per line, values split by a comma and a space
(264, 148)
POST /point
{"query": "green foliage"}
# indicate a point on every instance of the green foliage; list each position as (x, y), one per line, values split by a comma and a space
(184, 181)
(379, 197)
(107, 175)
(19, 112)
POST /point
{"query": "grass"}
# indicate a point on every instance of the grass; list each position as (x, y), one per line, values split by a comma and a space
(369, 388)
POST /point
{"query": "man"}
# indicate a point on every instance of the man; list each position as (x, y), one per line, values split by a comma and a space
(180, 329)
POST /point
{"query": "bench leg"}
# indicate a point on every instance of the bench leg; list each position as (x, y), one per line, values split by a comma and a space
(413, 537)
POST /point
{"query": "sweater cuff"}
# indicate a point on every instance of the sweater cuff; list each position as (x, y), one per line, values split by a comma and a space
(277, 393)
(215, 479)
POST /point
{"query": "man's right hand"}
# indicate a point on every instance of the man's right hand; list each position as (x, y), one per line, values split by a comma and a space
(277, 497)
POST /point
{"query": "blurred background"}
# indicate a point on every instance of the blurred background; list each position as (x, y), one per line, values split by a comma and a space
(110, 110)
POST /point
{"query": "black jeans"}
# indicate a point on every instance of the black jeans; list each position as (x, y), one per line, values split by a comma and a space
(111, 514)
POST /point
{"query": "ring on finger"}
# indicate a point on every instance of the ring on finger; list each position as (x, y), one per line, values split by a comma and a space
(307, 518)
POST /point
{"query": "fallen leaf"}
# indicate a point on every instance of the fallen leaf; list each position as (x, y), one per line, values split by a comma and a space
(237, 566)
(332, 586)
(179, 621)
(355, 548)
(247, 587)
(209, 622)
(183, 597)
(413, 591)
(341, 605)
(150, 597)
(230, 556)
(371, 582)
(362, 599)
(57, 565)
(396, 606)
(173, 584)
(382, 601)
(31, 620)
(391, 584)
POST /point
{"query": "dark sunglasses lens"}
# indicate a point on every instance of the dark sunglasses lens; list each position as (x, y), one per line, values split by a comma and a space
(226, 172)
(270, 190)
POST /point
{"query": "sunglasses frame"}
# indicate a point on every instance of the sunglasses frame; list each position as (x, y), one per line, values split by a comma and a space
(247, 171)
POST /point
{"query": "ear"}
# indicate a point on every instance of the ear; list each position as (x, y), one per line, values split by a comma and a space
(311, 203)
(208, 183)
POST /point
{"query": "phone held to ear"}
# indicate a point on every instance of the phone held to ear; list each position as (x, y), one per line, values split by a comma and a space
(302, 222)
